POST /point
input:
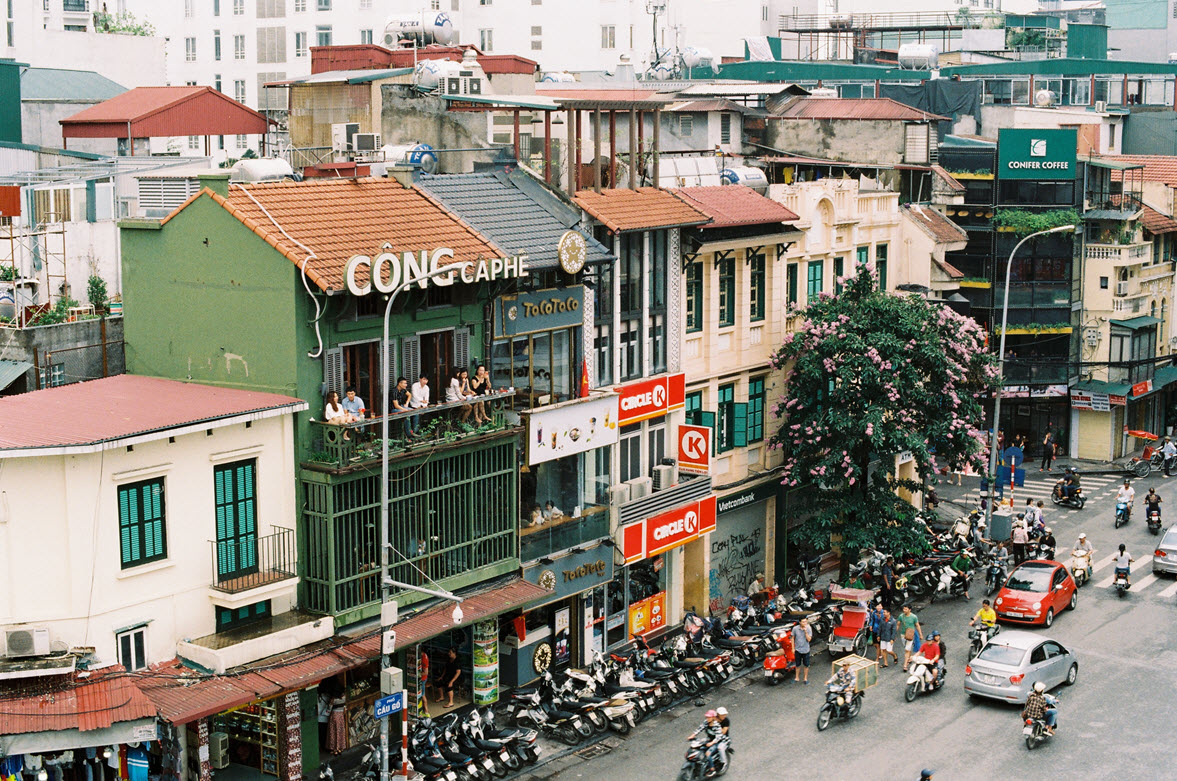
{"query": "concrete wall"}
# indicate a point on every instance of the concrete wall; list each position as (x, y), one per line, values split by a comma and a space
(66, 507)
(409, 116)
(857, 140)
(58, 341)
(40, 120)
(1150, 133)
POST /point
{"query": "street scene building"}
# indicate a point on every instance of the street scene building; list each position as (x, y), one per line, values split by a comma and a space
(378, 376)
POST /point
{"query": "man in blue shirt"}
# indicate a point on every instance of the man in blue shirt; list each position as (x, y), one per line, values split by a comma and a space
(353, 404)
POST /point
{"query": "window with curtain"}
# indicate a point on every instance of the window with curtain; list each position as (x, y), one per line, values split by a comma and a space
(727, 292)
(757, 288)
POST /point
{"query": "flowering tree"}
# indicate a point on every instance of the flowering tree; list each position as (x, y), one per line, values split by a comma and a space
(871, 374)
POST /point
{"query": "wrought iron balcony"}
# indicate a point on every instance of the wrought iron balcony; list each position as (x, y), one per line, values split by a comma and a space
(358, 444)
(249, 562)
(75, 6)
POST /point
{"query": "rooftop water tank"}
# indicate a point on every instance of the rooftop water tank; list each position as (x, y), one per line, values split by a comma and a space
(919, 56)
(430, 72)
(745, 175)
(265, 169)
(413, 153)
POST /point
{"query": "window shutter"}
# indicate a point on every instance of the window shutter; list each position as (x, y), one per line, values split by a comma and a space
(332, 371)
(126, 501)
(411, 357)
(708, 419)
(462, 348)
(740, 425)
(915, 144)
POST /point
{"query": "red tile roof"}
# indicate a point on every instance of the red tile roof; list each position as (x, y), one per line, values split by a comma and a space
(952, 271)
(165, 111)
(729, 206)
(853, 108)
(646, 208)
(1156, 222)
(181, 694)
(99, 411)
(367, 55)
(948, 179)
(935, 224)
(84, 704)
(338, 218)
(1157, 168)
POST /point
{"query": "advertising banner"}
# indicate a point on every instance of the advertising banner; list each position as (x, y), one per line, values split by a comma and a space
(486, 662)
(562, 634)
(1097, 402)
(648, 615)
(1036, 154)
(651, 398)
(651, 536)
(572, 427)
(542, 310)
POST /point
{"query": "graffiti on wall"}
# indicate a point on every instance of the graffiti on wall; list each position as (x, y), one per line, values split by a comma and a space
(736, 556)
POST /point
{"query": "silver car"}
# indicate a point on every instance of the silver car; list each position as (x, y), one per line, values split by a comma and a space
(1012, 662)
(1165, 557)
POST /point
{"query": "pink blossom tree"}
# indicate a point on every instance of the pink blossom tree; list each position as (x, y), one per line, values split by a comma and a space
(871, 375)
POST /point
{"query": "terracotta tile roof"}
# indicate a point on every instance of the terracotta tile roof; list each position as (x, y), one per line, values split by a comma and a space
(1156, 222)
(181, 694)
(952, 271)
(339, 218)
(853, 108)
(646, 208)
(1157, 168)
(89, 414)
(948, 179)
(729, 206)
(935, 224)
(83, 704)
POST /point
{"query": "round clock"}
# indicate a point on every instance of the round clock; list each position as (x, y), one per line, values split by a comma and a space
(542, 658)
(573, 251)
(547, 579)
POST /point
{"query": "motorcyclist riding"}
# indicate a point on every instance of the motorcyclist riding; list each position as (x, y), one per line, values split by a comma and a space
(716, 740)
(938, 644)
(843, 680)
(1123, 561)
(1126, 495)
(1152, 502)
(1041, 705)
(1070, 482)
(962, 565)
(1048, 540)
(1083, 545)
(986, 615)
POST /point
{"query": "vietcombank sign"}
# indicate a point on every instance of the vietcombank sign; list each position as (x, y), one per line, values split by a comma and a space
(1036, 154)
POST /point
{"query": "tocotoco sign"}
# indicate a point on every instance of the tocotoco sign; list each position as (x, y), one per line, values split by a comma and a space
(389, 270)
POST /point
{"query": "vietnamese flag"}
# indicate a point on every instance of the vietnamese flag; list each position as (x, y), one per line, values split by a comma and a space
(584, 381)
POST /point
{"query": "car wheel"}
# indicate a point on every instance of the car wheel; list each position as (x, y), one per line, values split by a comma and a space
(1072, 674)
(1074, 600)
(1049, 620)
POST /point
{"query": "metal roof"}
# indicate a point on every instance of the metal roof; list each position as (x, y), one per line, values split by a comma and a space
(356, 76)
(534, 102)
(91, 416)
(63, 84)
(10, 371)
(514, 211)
(731, 206)
(1060, 66)
(98, 167)
(148, 112)
(728, 89)
(1099, 386)
(82, 703)
(1134, 323)
(853, 108)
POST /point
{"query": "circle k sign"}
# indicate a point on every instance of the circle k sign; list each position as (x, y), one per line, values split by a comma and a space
(694, 448)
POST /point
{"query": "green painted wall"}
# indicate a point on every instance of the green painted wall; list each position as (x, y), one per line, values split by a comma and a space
(10, 129)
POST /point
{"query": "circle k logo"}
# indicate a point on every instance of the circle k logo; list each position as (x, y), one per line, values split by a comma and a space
(691, 521)
(659, 395)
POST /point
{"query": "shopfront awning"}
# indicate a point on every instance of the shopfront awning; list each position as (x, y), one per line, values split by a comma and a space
(10, 371)
(1163, 376)
(1137, 322)
(1099, 386)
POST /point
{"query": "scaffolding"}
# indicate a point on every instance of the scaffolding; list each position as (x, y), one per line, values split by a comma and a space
(32, 271)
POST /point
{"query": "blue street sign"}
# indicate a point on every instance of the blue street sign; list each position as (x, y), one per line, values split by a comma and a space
(393, 703)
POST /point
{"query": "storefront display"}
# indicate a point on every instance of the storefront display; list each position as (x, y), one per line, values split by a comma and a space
(564, 503)
(536, 345)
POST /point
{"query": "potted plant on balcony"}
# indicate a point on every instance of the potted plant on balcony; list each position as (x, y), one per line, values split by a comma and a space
(1023, 223)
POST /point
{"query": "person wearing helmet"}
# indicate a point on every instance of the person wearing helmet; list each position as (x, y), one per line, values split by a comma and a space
(1040, 705)
(1070, 482)
(962, 565)
(710, 728)
(941, 659)
(1084, 549)
(1047, 540)
(725, 729)
(1152, 503)
(1126, 495)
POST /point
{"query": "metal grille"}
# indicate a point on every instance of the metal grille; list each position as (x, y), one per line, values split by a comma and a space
(661, 501)
(447, 516)
(77, 364)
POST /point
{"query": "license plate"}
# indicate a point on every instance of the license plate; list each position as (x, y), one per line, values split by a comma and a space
(1028, 731)
(989, 679)
(1012, 614)
(488, 763)
(768, 673)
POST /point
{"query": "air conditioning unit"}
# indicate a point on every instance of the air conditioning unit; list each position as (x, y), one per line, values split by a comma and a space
(1121, 288)
(618, 494)
(342, 134)
(26, 642)
(1101, 106)
(365, 142)
(462, 85)
(640, 487)
(218, 750)
(664, 477)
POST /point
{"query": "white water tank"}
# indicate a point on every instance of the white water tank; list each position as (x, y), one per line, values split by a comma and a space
(265, 169)
(919, 56)
(415, 154)
(558, 77)
(429, 27)
(1045, 97)
(430, 73)
(699, 57)
(745, 175)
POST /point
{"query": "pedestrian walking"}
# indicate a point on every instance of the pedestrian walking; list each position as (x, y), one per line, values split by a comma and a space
(876, 622)
(1047, 451)
(888, 586)
(909, 624)
(802, 634)
(1021, 536)
(888, 627)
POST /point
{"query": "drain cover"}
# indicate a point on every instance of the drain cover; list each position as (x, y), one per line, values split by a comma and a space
(593, 751)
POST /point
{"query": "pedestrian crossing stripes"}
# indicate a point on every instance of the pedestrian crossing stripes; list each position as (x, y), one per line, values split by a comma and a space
(1143, 579)
(1041, 489)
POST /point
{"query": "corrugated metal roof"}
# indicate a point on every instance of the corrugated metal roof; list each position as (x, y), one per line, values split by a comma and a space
(514, 212)
(100, 411)
(165, 111)
(646, 208)
(853, 108)
(1157, 168)
(532, 102)
(10, 371)
(181, 694)
(734, 205)
(62, 84)
(712, 104)
(355, 76)
(339, 218)
(83, 704)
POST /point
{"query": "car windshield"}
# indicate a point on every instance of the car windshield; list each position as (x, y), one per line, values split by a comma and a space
(1002, 654)
(1030, 579)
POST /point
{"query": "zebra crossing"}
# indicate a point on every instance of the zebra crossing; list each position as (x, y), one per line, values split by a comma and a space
(1142, 579)
(1040, 488)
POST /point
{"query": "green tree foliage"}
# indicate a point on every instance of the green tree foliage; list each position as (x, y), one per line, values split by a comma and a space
(123, 22)
(870, 375)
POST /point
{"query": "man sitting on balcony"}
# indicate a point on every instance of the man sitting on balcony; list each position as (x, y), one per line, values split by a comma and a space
(353, 405)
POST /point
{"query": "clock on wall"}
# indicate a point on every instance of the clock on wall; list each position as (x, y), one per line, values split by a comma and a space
(573, 251)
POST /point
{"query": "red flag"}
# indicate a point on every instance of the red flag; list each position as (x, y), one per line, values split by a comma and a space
(584, 381)
(520, 623)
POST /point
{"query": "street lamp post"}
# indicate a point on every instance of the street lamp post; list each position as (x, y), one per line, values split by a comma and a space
(385, 583)
(1001, 370)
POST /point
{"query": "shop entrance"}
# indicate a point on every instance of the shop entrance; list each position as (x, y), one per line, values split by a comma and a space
(249, 736)
(437, 361)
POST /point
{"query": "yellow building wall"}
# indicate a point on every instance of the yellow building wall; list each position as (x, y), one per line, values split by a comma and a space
(1095, 435)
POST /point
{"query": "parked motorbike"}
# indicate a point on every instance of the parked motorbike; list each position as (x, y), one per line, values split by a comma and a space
(1080, 566)
(839, 705)
(528, 709)
(923, 678)
(489, 756)
(434, 760)
(356, 763)
(805, 574)
(521, 744)
(1122, 514)
(949, 584)
(978, 636)
(1075, 500)
(1154, 521)
(702, 761)
(1121, 584)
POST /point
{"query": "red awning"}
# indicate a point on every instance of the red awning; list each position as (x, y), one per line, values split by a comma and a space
(82, 703)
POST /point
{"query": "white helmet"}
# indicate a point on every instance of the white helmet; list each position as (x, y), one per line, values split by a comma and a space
(1039, 686)
(1082, 536)
(722, 711)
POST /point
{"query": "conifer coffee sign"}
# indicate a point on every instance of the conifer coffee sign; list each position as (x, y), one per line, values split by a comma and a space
(1036, 154)
(389, 270)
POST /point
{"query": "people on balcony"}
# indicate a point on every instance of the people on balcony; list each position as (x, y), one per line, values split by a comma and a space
(353, 405)
(480, 386)
(400, 403)
(459, 390)
(419, 398)
(335, 414)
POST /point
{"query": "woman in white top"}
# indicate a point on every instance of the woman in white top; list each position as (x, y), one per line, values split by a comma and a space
(459, 390)
(336, 414)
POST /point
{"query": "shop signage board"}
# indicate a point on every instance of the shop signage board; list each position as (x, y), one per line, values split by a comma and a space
(648, 615)
(386, 706)
(561, 626)
(1141, 388)
(656, 534)
(1058, 391)
(573, 573)
(542, 310)
(757, 493)
(571, 427)
(1097, 402)
(389, 270)
(694, 449)
(651, 398)
(486, 662)
(1036, 154)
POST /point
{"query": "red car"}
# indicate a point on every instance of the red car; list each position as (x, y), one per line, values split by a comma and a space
(1035, 593)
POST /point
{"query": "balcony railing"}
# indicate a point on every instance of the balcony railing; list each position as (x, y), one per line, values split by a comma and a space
(563, 533)
(1017, 373)
(356, 444)
(250, 561)
(1120, 254)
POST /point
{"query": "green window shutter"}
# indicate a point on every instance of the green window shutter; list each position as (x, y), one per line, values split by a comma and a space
(740, 427)
(708, 419)
(128, 497)
(791, 275)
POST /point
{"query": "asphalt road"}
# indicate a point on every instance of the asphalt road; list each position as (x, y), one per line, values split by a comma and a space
(1116, 722)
